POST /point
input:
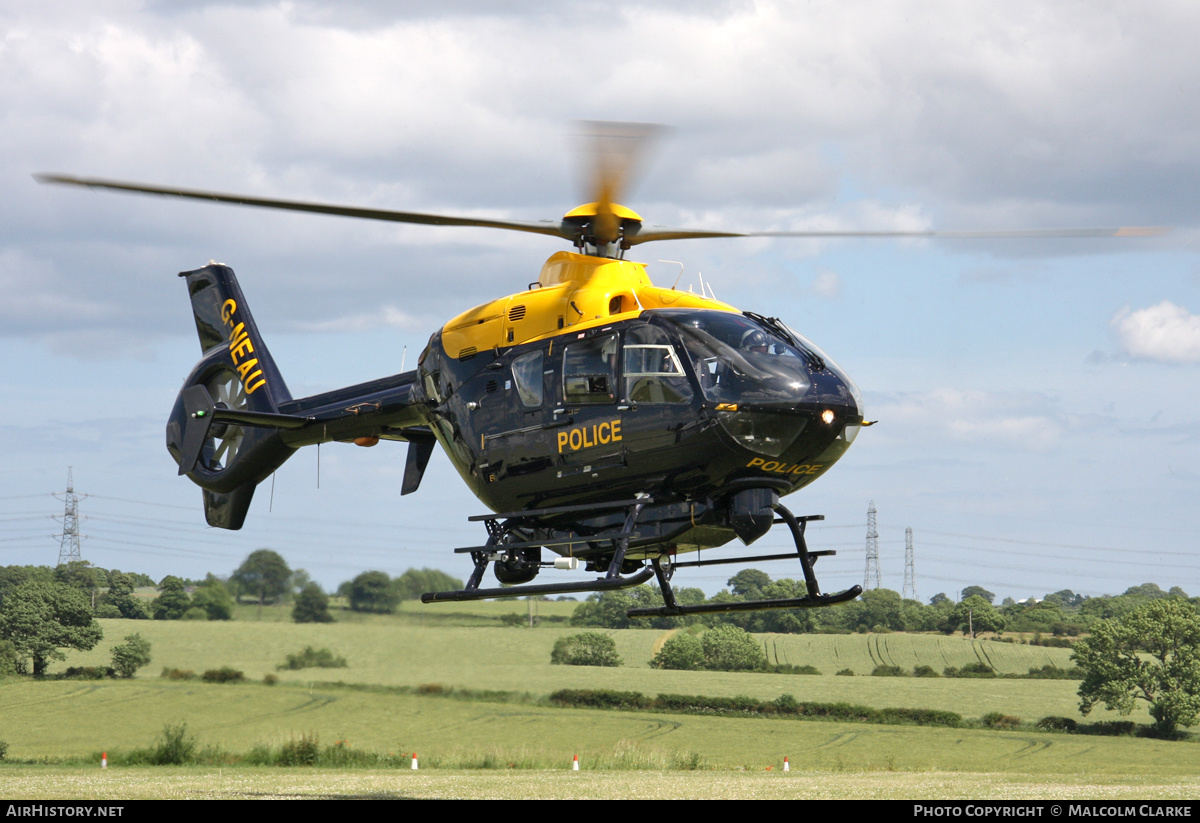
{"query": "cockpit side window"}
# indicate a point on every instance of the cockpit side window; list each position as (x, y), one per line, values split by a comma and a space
(653, 372)
(590, 370)
(527, 374)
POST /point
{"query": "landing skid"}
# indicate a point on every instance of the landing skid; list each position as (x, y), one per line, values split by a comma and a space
(509, 536)
(813, 600)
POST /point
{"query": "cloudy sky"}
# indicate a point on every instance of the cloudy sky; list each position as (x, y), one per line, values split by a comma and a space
(1038, 400)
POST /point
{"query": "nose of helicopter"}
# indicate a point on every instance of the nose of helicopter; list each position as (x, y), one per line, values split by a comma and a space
(810, 419)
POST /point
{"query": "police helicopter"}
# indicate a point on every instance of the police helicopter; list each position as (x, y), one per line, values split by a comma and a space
(606, 421)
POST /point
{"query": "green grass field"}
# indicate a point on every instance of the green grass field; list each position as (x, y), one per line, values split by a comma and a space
(65, 719)
(397, 652)
(303, 784)
(49, 720)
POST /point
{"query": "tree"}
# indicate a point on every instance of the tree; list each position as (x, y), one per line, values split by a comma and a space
(681, 651)
(748, 583)
(877, 610)
(974, 615)
(312, 606)
(731, 649)
(586, 649)
(978, 591)
(918, 617)
(264, 575)
(131, 656)
(172, 602)
(80, 574)
(415, 582)
(40, 618)
(1146, 591)
(214, 599)
(373, 592)
(1117, 672)
(120, 595)
(1065, 598)
(608, 609)
(300, 579)
(783, 621)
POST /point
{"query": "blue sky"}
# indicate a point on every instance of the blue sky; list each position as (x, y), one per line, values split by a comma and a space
(1037, 399)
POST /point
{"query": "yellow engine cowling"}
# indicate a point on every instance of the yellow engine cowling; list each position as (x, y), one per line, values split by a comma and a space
(574, 291)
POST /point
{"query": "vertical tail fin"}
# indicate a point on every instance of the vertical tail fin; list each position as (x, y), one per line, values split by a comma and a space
(236, 371)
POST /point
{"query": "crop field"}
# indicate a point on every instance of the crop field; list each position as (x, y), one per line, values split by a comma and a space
(371, 706)
(394, 652)
(401, 650)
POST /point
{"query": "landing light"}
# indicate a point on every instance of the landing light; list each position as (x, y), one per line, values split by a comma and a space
(827, 416)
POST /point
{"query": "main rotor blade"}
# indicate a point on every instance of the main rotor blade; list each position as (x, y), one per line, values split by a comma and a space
(616, 149)
(614, 163)
(542, 227)
(652, 233)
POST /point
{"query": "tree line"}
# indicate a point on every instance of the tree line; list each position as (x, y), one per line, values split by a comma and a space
(1058, 614)
(44, 610)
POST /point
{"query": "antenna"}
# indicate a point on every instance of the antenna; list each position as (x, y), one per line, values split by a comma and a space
(872, 550)
(910, 577)
(68, 550)
(677, 263)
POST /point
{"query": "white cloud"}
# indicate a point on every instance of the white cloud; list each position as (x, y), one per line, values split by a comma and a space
(1166, 332)
(825, 283)
(385, 317)
(1014, 420)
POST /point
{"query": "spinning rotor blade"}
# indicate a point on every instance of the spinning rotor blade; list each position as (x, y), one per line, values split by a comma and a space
(543, 227)
(645, 235)
(616, 149)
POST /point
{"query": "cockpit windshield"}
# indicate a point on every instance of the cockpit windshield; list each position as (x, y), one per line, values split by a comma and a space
(740, 360)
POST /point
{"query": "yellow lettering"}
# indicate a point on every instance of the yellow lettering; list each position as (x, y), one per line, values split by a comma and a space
(241, 348)
(755, 462)
(238, 331)
(245, 368)
(227, 310)
(250, 388)
(770, 467)
(586, 437)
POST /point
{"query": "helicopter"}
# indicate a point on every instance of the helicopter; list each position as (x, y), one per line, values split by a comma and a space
(605, 421)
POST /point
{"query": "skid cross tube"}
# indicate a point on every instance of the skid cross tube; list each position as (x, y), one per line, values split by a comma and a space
(482, 556)
(812, 600)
